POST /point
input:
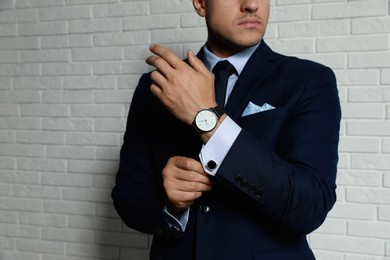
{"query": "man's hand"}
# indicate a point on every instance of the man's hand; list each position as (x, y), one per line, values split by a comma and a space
(183, 88)
(184, 181)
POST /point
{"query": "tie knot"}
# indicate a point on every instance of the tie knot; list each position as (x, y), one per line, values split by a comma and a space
(224, 65)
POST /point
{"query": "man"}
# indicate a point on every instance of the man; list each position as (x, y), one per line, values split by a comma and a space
(244, 177)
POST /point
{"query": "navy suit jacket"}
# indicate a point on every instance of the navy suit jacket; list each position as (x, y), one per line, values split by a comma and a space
(276, 184)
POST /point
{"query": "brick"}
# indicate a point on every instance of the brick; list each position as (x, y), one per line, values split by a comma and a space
(368, 128)
(364, 111)
(19, 96)
(363, 257)
(91, 250)
(42, 219)
(369, 229)
(9, 109)
(350, 9)
(154, 22)
(9, 57)
(8, 217)
(20, 177)
(14, 255)
(95, 111)
(22, 150)
(326, 255)
(20, 204)
(293, 46)
(19, 16)
(86, 2)
(37, 83)
(348, 244)
(192, 20)
(68, 152)
(95, 223)
(17, 123)
(119, 96)
(40, 246)
(103, 181)
(122, 38)
(20, 231)
(96, 167)
(110, 125)
(7, 4)
(115, 68)
(96, 139)
(89, 26)
(384, 212)
(65, 124)
(353, 43)
(343, 210)
(7, 163)
(7, 137)
(365, 94)
(358, 77)
(369, 60)
(5, 190)
(184, 36)
(106, 210)
(63, 69)
(5, 83)
(64, 13)
(334, 61)
(82, 194)
(371, 25)
(167, 7)
(19, 70)
(377, 162)
(97, 54)
(134, 253)
(42, 28)
(66, 41)
(90, 82)
(385, 76)
(66, 179)
(122, 239)
(36, 164)
(67, 97)
(45, 56)
(39, 137)
(369, 195)
(68, 207)
(119, 10)
(314, 28)
(8, 30)
(290, 13)
(35, 191)
(45, 110)
(19, 43)
(360, 178)
(128, 82)
(109, 153)
(67, 235)
(386, 145)
(38, 3)
(333, 226)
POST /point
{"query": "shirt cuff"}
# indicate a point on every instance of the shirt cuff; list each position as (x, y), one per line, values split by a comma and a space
(180, 222)
(214, 151)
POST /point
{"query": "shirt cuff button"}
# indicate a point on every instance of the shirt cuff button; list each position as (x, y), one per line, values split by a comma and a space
(211, 165)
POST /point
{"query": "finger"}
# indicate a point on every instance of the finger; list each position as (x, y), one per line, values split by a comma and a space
(196, 63)
(169, 56)
(188, 164)
(160, 64)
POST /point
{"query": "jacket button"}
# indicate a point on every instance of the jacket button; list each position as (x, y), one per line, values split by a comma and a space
(204, 208)
(244, 184)
(259, 193)
(252, 188)
(238, 178)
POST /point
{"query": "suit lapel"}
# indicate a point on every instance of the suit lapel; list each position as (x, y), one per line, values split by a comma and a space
(260, 64)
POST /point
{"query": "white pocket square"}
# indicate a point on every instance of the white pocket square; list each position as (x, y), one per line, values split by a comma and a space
(253, 109)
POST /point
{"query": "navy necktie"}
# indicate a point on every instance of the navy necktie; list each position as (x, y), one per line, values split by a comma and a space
(222, 71)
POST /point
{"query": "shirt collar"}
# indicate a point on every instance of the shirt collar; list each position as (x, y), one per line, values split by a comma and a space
(238, 60)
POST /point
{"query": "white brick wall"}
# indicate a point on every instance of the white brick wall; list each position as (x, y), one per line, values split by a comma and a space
(68, 69)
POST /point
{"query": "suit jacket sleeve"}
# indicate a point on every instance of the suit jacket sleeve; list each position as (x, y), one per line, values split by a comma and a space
(294, 180)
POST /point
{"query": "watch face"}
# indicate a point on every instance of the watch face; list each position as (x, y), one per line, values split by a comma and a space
(206, 120)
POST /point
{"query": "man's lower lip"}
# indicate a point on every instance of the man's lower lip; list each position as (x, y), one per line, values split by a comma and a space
(249, 25)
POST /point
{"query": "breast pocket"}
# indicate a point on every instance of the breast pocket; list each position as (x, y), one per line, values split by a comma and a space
(265, 126)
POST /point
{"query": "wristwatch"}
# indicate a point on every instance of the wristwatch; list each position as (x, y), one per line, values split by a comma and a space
(207, 119)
